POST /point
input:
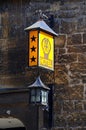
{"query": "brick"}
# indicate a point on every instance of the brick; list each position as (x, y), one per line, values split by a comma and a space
(57, 106)
(67, 27)
(61, 74)
(77, 119)
(78, 68)
(61, 78)
(1, 32)
(75, 78)
(76, 92)
(68, 106)
(84, 79)
(69, 12)
(5, 23)
(69, 6)
(82, 57)
(60, 121)
(84, 105)
(81, 24)
(78, 106)
(60, 41)
(74, 39)
(0, 26)
(62, 92)
(77, 49)
(84, 38)
(67, 58)
(60, 67)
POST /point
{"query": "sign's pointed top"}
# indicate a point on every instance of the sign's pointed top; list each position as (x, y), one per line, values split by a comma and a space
(41, 25)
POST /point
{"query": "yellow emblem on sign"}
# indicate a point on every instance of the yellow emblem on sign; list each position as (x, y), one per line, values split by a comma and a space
(46, 50)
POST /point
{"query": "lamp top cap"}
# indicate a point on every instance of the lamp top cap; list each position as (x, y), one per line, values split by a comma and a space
(38, 84)
(41, 25)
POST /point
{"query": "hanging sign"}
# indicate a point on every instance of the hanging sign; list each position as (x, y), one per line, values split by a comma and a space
(46, 50)
(41, 45)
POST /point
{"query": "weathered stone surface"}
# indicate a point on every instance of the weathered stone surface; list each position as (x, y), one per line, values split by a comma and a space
(69, 87)
(74, 39)
(67, 26)
(62, 93)
(60, 41)
(71, 120)
(78, 68)
(61, 76)
(67, 58)
(77, 49)
(82, 57)
(62, 50)
(69, 77)
(84, 38)
(76, 92)
(81, 25)
(84, 105)
(71, 13)
(68, 106)
(78, 105)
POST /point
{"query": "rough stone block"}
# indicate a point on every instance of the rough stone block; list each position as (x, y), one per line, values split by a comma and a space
(69, 12)
(76, 119)
(61, 74)
(76, 92)
(82, 57)
(78, 68)
(78, 106)
(60, 121)
(77, 49)
(84, 105)
(81, 24)
(68, 106)
(84, 38)
(67, 58)
(57, 106)
(74, 39)
(60, 41)
(67, 27)
(62, 92)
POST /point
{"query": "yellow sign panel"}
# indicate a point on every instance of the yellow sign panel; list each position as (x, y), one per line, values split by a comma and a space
(33, 48)
(46, 50)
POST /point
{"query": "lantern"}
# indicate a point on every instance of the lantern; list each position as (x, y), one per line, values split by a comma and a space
(38, 93)
(41, 45)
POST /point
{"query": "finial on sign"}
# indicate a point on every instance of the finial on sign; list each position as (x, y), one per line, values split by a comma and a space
(41, 15)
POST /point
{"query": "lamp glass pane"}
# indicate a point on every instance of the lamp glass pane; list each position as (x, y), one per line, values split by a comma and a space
(44, 97)
(37, 95)
(32, 95)
(32, 99)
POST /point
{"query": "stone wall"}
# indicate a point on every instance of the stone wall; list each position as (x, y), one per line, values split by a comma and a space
(70, 68)
(69, 108)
